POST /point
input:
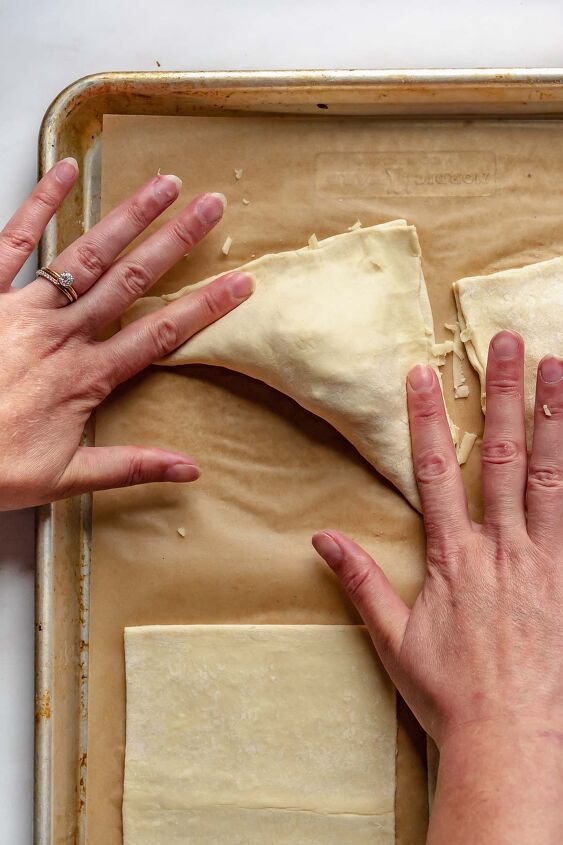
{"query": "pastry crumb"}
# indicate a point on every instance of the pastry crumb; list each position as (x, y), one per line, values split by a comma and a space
(238, 172)
(181, 531)
(546, 411)
(245, 201)
(357, 225)
(313, 242)
(225, 249)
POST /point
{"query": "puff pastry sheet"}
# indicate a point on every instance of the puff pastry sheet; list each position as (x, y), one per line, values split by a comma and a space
(246, 735)
(528, 300)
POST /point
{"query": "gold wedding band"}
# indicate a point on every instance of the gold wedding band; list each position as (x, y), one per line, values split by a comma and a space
(63, 281)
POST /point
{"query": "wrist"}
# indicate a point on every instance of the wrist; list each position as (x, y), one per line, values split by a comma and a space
(500, 781)
(509, 730)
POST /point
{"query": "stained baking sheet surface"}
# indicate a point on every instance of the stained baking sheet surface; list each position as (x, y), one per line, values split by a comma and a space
(518, 222)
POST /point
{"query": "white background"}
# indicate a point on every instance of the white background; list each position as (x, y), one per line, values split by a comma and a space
(46, 44)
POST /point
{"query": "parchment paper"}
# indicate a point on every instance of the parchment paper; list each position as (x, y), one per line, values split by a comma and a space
(484, 196)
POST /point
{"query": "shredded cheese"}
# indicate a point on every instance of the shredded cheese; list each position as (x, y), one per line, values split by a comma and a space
(461, 392)
(546, 411)
(461, 389)
(227, 245)
(464, 447)
(238, 172)
(181, 531)
(357, 225)
(245, 201)
(313, 242)
(158, 173)
(442, 349)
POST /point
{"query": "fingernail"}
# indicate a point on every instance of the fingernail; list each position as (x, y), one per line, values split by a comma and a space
(551, 370)
(66, 170)
(181, 472)
(167, 187)
(505, 346)
(210, 208)
(327, 548)
(240, 285)
(421, 377)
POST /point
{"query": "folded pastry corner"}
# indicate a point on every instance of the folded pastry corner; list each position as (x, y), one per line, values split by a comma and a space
(336, 328)
(527, 300)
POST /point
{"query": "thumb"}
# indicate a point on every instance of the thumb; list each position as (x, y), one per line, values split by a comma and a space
(104, 467)
(384, 613)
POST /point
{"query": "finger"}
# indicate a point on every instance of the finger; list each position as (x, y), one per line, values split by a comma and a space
(545, 472)
(106, 467)
(89, 257)
(384, 613)
(503, 453)
(132, 275)
(23, 231)
(152, 337)
(444, 503)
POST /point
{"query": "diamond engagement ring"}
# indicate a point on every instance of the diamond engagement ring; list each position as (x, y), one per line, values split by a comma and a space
(63, 281)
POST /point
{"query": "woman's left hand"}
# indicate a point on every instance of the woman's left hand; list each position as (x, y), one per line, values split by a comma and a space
(54, 372)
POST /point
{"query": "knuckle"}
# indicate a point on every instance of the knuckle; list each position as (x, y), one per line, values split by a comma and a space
(89, 260)
(210, 305)
(181, 232)
(46, 199)
(432, 465)
(439, 557)
(135, 280)
(137, 471)
(545, 476)
(426, 411)
(100, 385)
(501, 451)
(138, 213)
(164, 336)
(356, 577)
(19, 239)
(504, 385)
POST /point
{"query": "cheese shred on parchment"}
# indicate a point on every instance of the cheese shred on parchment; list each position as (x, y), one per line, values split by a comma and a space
(442, 349)
(357, 225)
(461, 389)
(238, 172)
(313, 242)
(464, 447)
(546, 411)
(227, 245)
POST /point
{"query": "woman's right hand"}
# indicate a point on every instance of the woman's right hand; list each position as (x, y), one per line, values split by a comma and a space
(479, 658)
(54, 372)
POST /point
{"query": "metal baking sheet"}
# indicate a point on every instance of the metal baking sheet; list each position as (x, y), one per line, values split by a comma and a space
(73, 126)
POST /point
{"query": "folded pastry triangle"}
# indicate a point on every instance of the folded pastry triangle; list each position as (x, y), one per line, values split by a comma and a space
(527, 300)
(336, 326)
